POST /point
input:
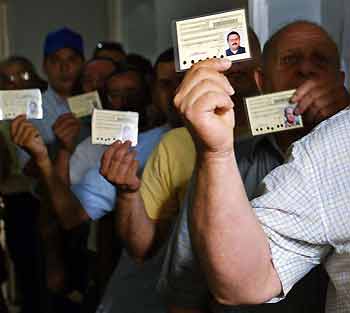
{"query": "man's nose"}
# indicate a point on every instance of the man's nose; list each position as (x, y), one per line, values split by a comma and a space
(308, 69)
(64, 67)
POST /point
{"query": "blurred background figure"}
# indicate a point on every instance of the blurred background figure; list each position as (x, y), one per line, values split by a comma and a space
(18, 72)
(142, 64)
(93, 75)
(127, 89)
(110, 49)
(165, 82)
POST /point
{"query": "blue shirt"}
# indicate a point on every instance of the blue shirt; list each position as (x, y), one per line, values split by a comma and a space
(96, 194)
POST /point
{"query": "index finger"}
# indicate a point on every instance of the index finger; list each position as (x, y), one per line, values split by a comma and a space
(208, 69)
(17, 121)
(107, 158)
(308, 92)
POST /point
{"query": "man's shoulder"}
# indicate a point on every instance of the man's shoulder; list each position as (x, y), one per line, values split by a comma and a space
(153, 134)
(85, 143)
(241, 50)
(228, 52)
(86, 150)
(177, 135)
(329, 132)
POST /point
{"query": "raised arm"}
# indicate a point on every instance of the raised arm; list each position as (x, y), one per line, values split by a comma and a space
(66, 129)
(64, 204)
(139, 233)
(231, 245)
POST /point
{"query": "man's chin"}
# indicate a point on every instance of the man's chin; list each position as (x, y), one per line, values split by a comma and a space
(64, 88)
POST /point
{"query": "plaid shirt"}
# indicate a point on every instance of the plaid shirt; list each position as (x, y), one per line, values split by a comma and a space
(305, 210)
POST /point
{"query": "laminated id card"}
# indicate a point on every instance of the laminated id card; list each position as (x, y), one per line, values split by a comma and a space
(272, 113)
(109, 126)
(18, 102)
(220, 35)
(84, 104)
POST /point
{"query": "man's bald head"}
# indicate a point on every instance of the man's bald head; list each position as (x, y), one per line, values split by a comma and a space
(299, 28)
(296, 53)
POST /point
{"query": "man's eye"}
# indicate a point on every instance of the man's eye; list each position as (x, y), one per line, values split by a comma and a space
(289, 59)
(321, 59)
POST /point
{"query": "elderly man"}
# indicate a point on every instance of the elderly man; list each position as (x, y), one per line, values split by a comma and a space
(251, 256)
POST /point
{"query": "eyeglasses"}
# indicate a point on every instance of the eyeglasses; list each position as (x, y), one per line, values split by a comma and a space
(20, 76)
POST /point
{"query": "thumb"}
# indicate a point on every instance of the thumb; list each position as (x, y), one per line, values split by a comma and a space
(220, 65)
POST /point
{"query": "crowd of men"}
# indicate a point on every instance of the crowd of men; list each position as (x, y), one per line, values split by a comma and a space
(200, 216)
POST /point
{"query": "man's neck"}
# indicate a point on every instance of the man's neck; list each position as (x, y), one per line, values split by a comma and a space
(241, 122)
(286, 138)
(62, 95)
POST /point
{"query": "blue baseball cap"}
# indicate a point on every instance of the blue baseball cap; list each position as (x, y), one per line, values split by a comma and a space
(63, 38)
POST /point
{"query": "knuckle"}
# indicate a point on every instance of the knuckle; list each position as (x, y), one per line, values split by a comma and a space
(200, 71)
(177, 100)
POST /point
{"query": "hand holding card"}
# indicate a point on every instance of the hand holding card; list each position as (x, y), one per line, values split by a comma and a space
(272, 113)
(84, 104)
(21, 102)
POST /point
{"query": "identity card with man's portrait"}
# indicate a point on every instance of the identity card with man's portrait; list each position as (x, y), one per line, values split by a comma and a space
(84, 104)
(109, 126)
(272, 113)
(21, 102)
(219, 35)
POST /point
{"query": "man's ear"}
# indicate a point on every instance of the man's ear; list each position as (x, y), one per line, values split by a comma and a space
(259, 79)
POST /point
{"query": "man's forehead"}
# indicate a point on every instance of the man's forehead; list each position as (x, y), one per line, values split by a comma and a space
(304, 35)
(99, 65)
(64, 52)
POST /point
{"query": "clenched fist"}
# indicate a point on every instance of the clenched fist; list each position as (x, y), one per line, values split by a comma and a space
(203, 99)
(66, 129)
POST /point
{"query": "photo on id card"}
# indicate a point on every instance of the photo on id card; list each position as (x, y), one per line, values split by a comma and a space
(272, 113)
(219, 35)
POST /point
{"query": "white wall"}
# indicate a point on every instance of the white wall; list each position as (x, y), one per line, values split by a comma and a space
(146, 25)
(30, 20)
(144, 28)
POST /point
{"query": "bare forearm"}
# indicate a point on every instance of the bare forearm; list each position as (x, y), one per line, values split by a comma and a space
(62, 165)
(134, 226)
(64, 204)
(227, 236)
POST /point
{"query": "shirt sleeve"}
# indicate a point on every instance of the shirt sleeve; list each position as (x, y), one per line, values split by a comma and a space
(96, 195)
(290, 213)
(156, 190)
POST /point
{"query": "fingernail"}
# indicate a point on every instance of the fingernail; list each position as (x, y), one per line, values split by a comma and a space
(231, 91)
(294, 99)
